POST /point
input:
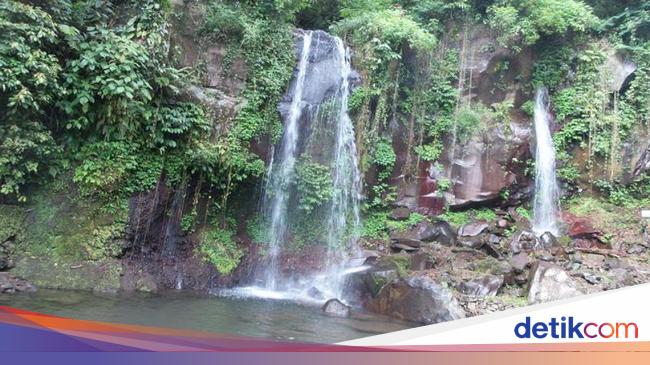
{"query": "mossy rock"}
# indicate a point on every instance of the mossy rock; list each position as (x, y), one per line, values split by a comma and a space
(99, 276)
(64, 226)
(12, 219)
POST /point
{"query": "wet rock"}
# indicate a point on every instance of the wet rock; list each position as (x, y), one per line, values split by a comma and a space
(472, 229)
(642, 165)
(408, 242)
(519, 219)
(425, 231)
(400, 213)
(547, 239)
(619, 68)
(635, 250)
(582, 230)
(486, 286)
(548, 282)
(402, 247)
(524, 241)
(336, 308)
(591, 278)
(492, 250)
(472, 242)
(494, 239)
(418, 299)
(421, 261)
(315, 293)
(502, 223)
(10, 284)
(520, 261)
(545, 256)
(5, 263)
(366, 284)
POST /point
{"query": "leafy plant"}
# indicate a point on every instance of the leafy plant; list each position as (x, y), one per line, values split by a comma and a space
(313, 183)
(218, 248)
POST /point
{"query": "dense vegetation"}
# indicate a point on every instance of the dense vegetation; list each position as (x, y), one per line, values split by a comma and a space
(92, 93)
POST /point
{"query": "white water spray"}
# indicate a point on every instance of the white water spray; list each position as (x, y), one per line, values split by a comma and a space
(547, 193)
(284, 176)
(344, 218)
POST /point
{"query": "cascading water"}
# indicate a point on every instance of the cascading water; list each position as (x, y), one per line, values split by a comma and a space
(546, 203)
(285, 173)
(346, 182)
(317, 127)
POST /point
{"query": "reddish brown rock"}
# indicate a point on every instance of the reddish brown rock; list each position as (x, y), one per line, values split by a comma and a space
(583, 232)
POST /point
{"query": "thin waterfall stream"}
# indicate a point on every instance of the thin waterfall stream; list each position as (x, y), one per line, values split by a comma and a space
(547, 193)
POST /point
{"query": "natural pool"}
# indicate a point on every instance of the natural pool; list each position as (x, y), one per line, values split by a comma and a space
(277, 319)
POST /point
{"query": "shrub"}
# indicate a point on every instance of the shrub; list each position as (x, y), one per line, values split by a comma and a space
(218, 248)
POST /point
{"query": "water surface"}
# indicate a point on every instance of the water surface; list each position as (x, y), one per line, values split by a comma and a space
(277, 319)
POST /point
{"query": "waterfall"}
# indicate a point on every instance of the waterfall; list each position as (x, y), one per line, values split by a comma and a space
(286, 170)
(346, 182)
(546, 203)
(318, 128)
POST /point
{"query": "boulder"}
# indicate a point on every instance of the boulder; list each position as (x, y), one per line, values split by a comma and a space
(10, 284)
(366, 284)
(472, 229)
(402, 247)
(547, 239)
(548, 282)
(619, 69)
(336, 308)
(408, 242)
(524, 241)
(421, 261)
(502, 223)
(400, 213)
(418, 299)
(520, 261)
(425, 231)
(642, 165)
(582, 231)
(486, 286)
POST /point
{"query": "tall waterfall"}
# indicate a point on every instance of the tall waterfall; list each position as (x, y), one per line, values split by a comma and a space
(546, 204)
(346, 182)
(286, 169)
(317, 128)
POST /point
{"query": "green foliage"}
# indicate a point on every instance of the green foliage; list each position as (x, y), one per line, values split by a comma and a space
(313, 183)
(218, 248)
(377, 225)
(28, 84)
(257, 229)
(389, 29)
(456, 218)
(444, 184)
(485, 214)
(553, 66)
(25, 151)
(413, 219)
(188, 221)
(384, 155)
(12, 219)
(459, 218)
(523, 22)
(374, 226)
(430, 152)
(67, 227)
(524, 213)
(105, 166)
